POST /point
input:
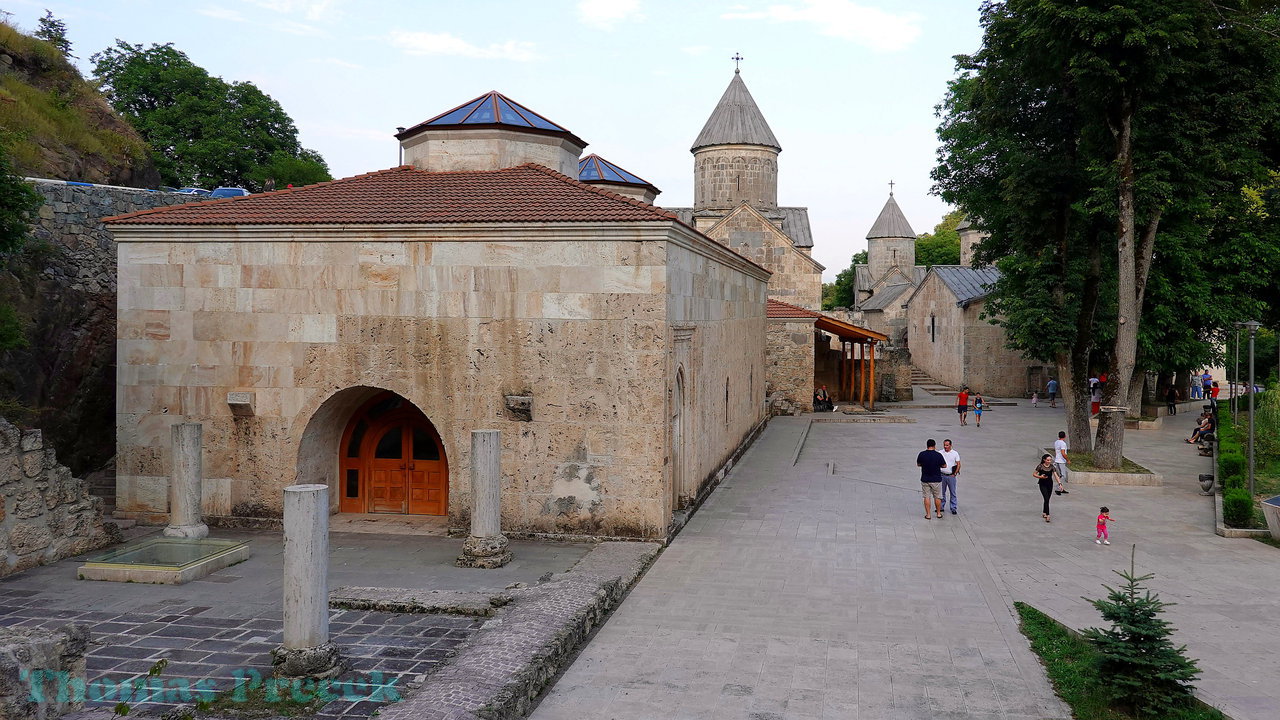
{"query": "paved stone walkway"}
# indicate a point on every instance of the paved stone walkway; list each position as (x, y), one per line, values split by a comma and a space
(795, 593)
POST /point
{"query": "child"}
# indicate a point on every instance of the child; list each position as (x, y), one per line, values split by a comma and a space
(1035, 398)
(1103, 516)
(978, 407)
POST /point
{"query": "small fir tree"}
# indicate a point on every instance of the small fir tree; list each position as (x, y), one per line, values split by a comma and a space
(1144, 670)
(54, 31)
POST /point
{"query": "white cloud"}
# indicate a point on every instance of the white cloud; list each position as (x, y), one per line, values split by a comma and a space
(868, 26)
(309, 9)
(220, 13)
(297, 28)
(606, 14)
(424, 43)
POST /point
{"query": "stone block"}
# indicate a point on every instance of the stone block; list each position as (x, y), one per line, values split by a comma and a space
(32, 440)
(35, 665)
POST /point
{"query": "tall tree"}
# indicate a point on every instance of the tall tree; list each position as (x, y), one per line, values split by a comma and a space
(1094, 139)
(202, 130)
(841, 291)
(19, 203)
(942, 246)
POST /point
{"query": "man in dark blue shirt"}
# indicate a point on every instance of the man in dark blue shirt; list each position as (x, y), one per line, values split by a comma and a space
(931, 462)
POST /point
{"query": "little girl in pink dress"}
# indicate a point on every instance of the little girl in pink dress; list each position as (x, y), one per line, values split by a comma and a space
(1103, 516)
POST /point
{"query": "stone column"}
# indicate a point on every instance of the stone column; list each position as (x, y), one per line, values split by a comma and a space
(486, 547)
(185, 483)
(307, 651)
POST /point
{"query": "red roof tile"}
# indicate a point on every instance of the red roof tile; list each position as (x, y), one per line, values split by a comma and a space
(779, 309)
(407, 195)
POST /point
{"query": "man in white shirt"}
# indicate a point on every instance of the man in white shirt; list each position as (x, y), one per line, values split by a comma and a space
(950, 473)
(1060, 456)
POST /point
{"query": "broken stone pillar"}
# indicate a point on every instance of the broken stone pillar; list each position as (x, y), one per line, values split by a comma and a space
(486, 547)
(184, 483)
(306, 651)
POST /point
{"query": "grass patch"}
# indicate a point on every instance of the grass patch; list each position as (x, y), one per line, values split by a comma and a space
(264, 701)
(1083, 462)
(1269, 541)
(1071, 663)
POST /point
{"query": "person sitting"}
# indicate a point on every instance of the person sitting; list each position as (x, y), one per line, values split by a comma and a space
(822, 400)
(1208, 423)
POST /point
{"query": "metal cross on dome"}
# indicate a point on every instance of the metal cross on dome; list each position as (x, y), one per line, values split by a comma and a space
(891, 184)
(737, 59)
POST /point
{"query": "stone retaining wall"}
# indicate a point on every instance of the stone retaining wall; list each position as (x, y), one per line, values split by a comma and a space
(45, 513)
(63, 288)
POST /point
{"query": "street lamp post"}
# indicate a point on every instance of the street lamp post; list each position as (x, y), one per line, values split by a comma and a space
(1252, 326)
(1235, 380)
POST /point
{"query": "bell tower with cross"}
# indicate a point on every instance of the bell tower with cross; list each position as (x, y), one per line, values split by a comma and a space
(735, 158)
(891, 243)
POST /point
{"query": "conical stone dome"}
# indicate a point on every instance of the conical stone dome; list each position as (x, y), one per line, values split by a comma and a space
(736, 121)
(891, 223)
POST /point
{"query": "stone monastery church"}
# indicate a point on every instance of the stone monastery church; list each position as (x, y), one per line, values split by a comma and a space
(937, 312)
(353, 333)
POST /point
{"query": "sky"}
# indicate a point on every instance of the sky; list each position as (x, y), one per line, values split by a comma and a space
(848, 87)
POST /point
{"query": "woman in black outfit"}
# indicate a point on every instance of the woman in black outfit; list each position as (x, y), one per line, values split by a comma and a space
(1046, 473)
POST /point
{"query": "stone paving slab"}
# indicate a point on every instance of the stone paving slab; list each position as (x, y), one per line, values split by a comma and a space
(797, 593)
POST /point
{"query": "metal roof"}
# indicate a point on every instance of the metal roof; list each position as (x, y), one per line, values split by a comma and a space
(736, 121)
(794, 222)
(885, 296)
(967, 283)
(891, 223)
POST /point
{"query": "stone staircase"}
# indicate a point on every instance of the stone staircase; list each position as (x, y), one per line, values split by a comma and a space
(924, 381)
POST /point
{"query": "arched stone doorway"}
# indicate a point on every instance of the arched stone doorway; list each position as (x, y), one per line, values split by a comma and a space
(391, 460)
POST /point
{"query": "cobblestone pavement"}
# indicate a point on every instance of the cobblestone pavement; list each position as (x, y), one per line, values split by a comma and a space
(796, 593)
(387, 652)
(222, 628)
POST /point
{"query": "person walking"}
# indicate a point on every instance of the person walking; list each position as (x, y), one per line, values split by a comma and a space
(1060, 459)
(1171, 400)
(950, 473)
(1052, 389)
(931, 462)
(1103, 538)
(978, 407)
(962, 405)
(1045, 473)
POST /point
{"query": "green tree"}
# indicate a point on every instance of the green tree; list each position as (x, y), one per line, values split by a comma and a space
(841, 291)
(202, 130)
(307, 168)
(18, 203)
(54, 31)
(1147, 674)
(942, 246)
(1098, 141)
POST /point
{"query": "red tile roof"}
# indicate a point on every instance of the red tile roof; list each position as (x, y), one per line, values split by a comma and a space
(407, 195)
(779, 309)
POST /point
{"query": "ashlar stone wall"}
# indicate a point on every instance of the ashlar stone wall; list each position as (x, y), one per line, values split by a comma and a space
(797, 278)
(725, 176)
(964, 348)
(791, 358)
(45, 513)
(454, 320)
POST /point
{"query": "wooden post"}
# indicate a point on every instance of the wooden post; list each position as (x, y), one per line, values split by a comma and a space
(862, 373)
(873, 374)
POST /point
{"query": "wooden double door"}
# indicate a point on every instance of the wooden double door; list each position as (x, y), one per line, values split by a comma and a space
(393, 461)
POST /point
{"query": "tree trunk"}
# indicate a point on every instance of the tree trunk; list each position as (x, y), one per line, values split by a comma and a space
(1136, 393)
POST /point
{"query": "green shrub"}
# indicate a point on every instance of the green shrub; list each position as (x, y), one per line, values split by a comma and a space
(1233, 482)
(1237, 507)
(1230, 463)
